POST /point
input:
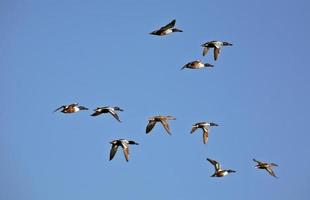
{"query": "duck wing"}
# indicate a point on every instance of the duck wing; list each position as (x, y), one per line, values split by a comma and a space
(194, 128)
(205, 135)
(113, 151)
(216, 165)
(216, 52)
(126, 151)
(150, 125)
(205, 51)
(61, 107)
(270, 171)
(165, 125)
(96, 113)
(113, 113)
(258, 162)
(168, 26)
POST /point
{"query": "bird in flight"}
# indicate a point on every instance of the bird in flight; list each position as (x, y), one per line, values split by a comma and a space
(71, 108)
(219, 172)
(124, 144)
(217, 45)
(205, 128)
(108, 109)
(162, 120)
(196, 64)
(167, 29)
(266, 166)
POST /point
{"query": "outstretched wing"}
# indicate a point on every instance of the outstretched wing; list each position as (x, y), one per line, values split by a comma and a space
(270, 171)
(126, 152)
(194, 129)
(205, 51)
(258, 162)
(96, 113)
(165, 125)
(113, 113)
(150, 126)
(205, 135)
(215, 164)
(113, 151)
(168, 26)
(61, 107)
(216, 52)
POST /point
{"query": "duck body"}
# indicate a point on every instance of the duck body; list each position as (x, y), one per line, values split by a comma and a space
(71, 108)
(222, 173)
(196, 64)
(167, 29)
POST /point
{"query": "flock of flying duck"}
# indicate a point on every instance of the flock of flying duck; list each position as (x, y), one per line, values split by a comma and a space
(205, 126)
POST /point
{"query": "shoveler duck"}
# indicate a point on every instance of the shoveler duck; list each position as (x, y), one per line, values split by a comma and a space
(162, 119)
(196, 64)
(108, 109)
(167, 29)
(124, 144)
(72, 108)
(266, 166)
(205, 128)
(218, 171)
(217, 45)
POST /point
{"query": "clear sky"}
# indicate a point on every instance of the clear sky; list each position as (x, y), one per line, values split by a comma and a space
(99, 53)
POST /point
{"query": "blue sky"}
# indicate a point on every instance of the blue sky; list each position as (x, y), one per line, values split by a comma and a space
(100, 53)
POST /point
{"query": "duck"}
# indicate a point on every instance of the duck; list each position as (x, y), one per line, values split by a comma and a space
(205, 128)
(196, 64)
(71, 108)
(218, 171)
(267, 166)
(124, 144)
(167, 29)
(217, 45)
(162, 119)
(108, 109)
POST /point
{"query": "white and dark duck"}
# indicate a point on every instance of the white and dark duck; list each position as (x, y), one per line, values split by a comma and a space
(124, 144)
(167, 29)
(219, 172)
(71, 108)
(196, 64)
(205, 126)
(108, 109)
(217, 45)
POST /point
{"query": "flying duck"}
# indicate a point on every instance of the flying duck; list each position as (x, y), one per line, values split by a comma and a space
(218, 171)
(266, 166)
(124, 144)
(162, 120)
(196, 64)
(167, 29)
(217, 45)
(72, 108)
(205, 128)
(108, 109)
